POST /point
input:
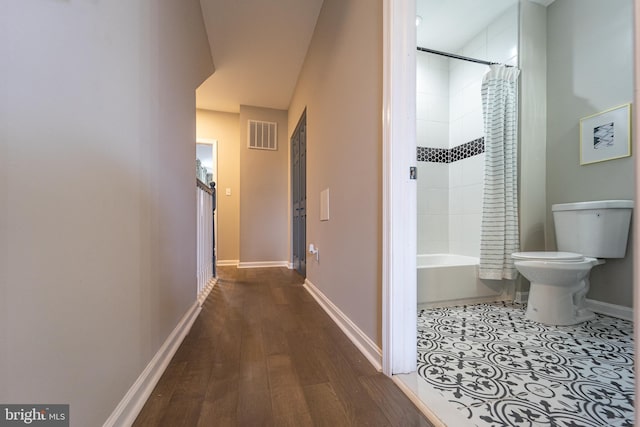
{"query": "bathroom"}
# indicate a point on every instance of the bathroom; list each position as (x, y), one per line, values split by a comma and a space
(571, 67)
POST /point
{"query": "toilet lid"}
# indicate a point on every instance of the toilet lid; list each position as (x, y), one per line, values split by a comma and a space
(548, 256)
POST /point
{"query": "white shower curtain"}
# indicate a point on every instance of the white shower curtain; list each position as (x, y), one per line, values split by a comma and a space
(499, 230)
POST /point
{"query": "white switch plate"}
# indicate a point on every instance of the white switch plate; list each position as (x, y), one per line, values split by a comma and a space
(324, 205)
(227, 191)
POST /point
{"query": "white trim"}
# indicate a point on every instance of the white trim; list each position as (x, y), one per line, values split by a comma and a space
(619, 311)
(206, 290)
(227, 263)
(440, 412)
(206, 141)
(366, 346)
(290, 266)
(399, 221)
(131, 404)
(263, 264)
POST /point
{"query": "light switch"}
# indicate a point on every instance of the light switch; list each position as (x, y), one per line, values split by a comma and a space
(227, 191)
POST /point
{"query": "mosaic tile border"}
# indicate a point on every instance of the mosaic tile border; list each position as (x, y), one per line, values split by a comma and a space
(450, 155)
(500, 369)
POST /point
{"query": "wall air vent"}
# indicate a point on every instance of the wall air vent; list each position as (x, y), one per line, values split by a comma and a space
(263, 135)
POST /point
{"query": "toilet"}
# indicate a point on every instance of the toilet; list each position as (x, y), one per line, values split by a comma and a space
(586, 234)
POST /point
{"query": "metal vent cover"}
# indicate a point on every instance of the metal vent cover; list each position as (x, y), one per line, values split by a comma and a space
(263, 135)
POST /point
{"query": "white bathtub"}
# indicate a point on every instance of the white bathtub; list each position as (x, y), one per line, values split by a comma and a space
(453, 279)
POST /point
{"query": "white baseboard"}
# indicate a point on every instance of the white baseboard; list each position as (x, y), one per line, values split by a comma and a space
(207, 289)
(290, 266)
(619, 311)
(263, 264)
(131, 404)
(366, 346)
(227, 263)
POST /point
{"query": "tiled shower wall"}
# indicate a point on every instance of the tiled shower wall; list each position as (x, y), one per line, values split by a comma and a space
(449, 114)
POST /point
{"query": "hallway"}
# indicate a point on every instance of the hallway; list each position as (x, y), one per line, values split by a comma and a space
(263, 352)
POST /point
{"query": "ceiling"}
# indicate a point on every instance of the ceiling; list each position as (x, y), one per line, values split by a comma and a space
(448, 25)
(258, 48)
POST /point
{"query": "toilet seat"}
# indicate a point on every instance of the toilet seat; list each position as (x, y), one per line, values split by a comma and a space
(547, 256)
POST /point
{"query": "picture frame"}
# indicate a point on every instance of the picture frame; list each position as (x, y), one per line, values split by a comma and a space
(606, 135)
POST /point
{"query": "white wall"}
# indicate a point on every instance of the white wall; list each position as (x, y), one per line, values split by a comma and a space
(432, 121)
(97, 217)
(459, 105)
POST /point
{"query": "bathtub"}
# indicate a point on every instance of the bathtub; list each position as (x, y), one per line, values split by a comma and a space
(445, 279)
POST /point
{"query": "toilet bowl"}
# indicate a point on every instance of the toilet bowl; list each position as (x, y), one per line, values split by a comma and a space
(586, 233)
(559, 285)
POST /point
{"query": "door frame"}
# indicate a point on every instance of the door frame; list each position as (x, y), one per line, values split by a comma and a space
(302, 121)
(399, 192)
(214, 150)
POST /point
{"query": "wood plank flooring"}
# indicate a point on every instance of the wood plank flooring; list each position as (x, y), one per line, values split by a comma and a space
(263, 353)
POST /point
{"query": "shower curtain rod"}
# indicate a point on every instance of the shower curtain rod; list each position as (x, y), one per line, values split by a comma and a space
(464, 58)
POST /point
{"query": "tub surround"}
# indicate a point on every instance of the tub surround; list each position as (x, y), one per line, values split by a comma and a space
(450, 155)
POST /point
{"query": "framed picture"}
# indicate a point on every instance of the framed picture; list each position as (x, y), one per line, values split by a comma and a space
(606, 135)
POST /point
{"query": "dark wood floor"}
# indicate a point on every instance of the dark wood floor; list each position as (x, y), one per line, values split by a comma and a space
(263, 353)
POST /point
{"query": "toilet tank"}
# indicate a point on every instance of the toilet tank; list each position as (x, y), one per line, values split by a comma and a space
(596, 229)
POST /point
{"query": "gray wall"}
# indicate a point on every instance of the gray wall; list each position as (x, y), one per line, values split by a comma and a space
(264, 192)
(532, 56)
(590, 69)
(225, 128)
(341, 86)
(97, 194)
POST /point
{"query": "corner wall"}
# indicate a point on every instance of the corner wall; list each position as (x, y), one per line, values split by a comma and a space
(590, 69)
(97, 194)
(225, 128)
(264, 193)
(533, 127)
(341, 87)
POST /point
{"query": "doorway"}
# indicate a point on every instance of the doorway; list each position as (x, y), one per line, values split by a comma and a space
(299, 195)
(207, 154)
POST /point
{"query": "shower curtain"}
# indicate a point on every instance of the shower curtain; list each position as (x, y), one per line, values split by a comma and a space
(499, 230)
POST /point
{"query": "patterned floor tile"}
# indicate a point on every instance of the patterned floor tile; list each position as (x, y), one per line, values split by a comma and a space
(500, 369)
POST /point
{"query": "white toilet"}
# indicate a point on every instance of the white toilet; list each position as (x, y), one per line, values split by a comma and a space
(586, 232)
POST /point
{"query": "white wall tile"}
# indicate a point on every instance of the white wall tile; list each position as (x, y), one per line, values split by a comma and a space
(439, 62)
(437, 82)
(477, 46)
(472, 199)
(473, 170)
(472, 126)
(437, 134)
(455, 133)
(455, 174)
(456, 101)
(432, 229)
(450, 113)
(422, 64)
(422, 101)
(437, 201)
(503, 46)
(422, 132)
(433, 175)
